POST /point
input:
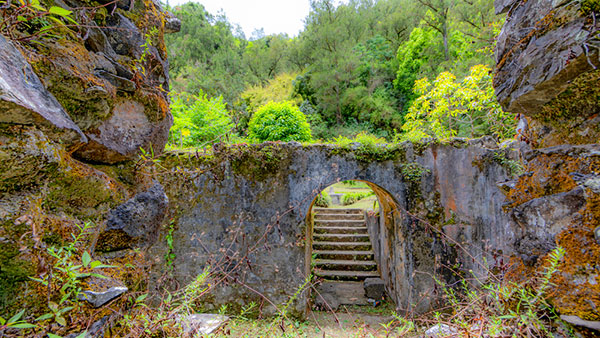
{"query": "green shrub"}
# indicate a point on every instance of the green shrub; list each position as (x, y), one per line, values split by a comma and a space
(198, 119)
(279, 121)
(323, 200)
(353, 197)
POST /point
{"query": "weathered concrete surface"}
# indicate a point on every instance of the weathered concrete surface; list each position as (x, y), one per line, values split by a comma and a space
(242, 211)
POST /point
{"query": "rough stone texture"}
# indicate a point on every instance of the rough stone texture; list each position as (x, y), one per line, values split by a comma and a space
(555, 203)
(541, 219)
(135, 222)
(244, 208)
(440, 330)
(23, 98)
(594, 325)
(201, 324)
(539, 52)
(121, 136)
(105, 81)
(546, 54)
(330, 295)
(374, 288)
(100, 298)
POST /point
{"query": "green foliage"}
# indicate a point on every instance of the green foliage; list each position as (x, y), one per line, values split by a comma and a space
(69, 271)
(507, 309)
(358, 60)
(15, 322)
(367, 147)
(280, 88)
(447, 108)
(513, 167)
(413, 172)
(279, 121)
(323, 200)
(198, 119)
(412, 55)
(28, 20)
(353, 197)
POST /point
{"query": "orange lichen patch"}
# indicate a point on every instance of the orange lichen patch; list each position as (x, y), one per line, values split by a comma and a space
(517, 271)
(578, 279)
(547, 175)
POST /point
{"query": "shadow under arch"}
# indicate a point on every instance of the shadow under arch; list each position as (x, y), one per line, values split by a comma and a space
(385, 239)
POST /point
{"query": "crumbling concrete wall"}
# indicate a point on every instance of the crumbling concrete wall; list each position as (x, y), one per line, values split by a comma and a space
(242, 211)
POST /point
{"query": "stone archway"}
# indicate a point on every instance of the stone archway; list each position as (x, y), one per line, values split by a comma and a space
(249, 202)
(385, 238)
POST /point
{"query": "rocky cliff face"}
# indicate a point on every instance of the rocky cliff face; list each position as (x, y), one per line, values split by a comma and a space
(548, 55)
(70, 103)
(548, 70)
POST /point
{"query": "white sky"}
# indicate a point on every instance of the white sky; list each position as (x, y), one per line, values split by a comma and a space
(275, 16)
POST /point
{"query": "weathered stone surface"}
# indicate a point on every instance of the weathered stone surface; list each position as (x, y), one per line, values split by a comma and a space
(201, 324)
(135, 222)
(541, 219)
(440, 330)
(326, 302)
(24, 99)
(120, 137)
(540, 52)
(96, 330)
(548, 69)
(594, 325)
(374, 288)
(100, 298)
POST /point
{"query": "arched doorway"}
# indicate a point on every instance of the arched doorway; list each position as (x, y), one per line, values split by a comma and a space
(349, 230)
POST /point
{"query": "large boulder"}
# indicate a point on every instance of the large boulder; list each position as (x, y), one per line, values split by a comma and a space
(24, 99)
(135, 222)
(547, 68)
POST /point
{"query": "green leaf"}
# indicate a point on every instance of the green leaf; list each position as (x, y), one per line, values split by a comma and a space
(53, 306)
(38, 7)
(66, 309)
(2, 321)
(23, 326)
(61, 320)
(52, 335)
(141, 298)
(59, 11)
(86, 259)
(16, 317)
(99, 265)
(44, 317)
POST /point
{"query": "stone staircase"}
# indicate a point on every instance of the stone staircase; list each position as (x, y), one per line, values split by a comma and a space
(341, 247)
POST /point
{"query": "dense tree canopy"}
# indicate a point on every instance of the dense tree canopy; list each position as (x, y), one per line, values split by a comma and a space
(353, 68)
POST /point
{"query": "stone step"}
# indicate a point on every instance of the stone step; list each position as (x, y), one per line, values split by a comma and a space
(330, 245)
(339, 230)
(344, 274)
(345, 264)
(362, 238)
(340, 223)
(338, 211)
(339, 217)
(359, 255)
